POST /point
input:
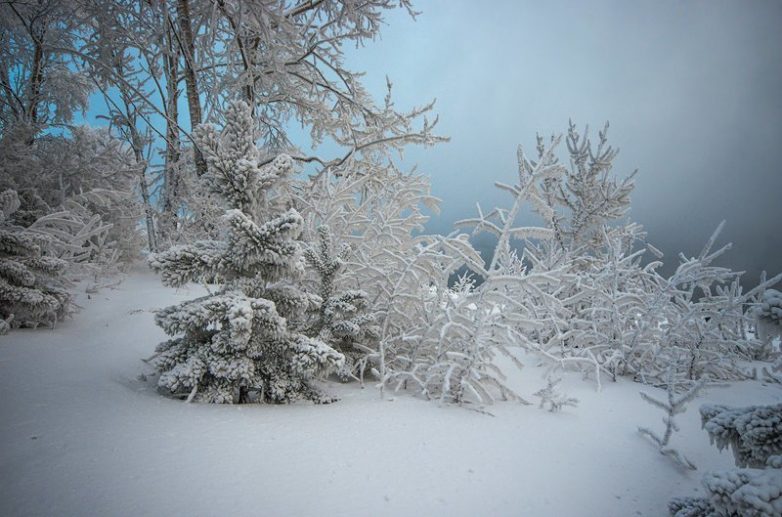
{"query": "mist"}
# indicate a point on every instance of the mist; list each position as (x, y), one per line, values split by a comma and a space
(691, 90)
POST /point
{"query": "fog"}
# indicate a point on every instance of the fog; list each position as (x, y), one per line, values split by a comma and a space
(693, 92)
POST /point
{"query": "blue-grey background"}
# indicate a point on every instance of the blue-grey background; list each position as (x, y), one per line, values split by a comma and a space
(692, 89)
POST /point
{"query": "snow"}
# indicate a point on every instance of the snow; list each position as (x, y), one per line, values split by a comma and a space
(80, 434)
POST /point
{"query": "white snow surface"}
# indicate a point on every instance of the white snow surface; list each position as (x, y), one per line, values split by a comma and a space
(81, 435)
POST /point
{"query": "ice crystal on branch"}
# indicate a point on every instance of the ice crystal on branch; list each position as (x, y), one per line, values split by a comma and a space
(245, 341)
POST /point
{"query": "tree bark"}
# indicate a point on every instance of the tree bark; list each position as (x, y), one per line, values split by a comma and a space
(191, 83)
(141, 163)
(35, 82)
(249, 89)
(171, 177)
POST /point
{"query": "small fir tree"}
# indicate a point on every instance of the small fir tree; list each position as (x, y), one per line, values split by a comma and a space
(32, 285)
(676, 404)
(343, 320)
(768, 315)
(243, 342)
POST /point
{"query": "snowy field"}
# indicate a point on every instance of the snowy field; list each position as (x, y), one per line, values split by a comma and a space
(82, 435)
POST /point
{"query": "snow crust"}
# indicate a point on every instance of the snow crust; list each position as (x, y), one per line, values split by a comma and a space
(80, 434)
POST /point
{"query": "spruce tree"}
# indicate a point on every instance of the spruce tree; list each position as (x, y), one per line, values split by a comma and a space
(343, 319)
(32, 285)
(754, 434)
(243, 342)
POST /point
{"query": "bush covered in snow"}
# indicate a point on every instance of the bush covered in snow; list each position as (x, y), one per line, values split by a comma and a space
(244, 341)
(77, 185)
(592, 301)
(33, 290)
(582, 294)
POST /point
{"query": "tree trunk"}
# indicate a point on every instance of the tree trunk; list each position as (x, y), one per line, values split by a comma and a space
(193, 99)
(249, 89)
(36, 80)
(171, 177)
(149, 218)
(141, 163)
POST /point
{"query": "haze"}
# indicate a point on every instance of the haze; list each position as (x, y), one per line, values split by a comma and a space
(691, 89)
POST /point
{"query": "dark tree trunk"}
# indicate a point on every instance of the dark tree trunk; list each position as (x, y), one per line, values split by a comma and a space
(191, 83)
(171, 191)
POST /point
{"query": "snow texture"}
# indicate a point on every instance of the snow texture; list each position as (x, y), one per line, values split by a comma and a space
(80, 435)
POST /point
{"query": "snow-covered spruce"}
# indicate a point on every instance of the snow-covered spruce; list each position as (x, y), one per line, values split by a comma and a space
(736, 492)
(768, 315)
(32, 286)
(243, 342)
(343, 320)
(755, 435)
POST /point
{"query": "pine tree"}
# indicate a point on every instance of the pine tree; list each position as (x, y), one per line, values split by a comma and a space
(243, 342)
(754, 434)
(768, 315)
(32, 285)
(343, 320)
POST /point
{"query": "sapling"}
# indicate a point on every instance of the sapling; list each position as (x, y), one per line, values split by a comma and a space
(342, 318)
(675, 405)
(551, 399)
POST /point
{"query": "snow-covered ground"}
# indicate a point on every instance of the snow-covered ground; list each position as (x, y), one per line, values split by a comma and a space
(81, 435)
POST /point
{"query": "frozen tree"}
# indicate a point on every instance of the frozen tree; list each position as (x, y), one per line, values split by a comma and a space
(244, 341)
(284, 58)
(377, 210)
(753, 433)
(755, 436)
(768, 315)
(79, 183)
(342, 319)
(32, 286)
(40, 83)
(551, 399)
(53, 166)
(675, 405)
(448, 350)
(604, 308)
